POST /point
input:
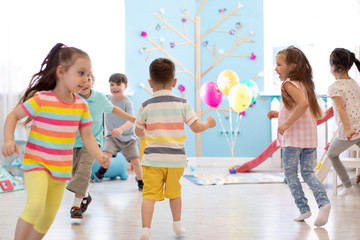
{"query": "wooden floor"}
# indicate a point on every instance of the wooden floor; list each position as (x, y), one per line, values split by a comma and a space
(242, 211)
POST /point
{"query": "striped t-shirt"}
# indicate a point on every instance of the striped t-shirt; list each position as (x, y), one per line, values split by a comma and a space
(163, 117)
(52, 134)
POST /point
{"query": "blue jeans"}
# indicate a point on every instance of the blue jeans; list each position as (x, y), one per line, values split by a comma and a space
(307, 156)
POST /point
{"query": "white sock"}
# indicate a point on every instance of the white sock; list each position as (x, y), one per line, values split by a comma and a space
(302, 217)
(77, 202)
(145, 234)
(178, 229)
(323, 215)
(346, 191)
(87, 191)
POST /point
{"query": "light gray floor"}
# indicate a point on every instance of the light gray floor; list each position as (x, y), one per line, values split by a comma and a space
(242, 211)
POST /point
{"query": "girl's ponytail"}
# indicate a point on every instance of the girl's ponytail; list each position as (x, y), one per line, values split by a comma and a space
(357, 63)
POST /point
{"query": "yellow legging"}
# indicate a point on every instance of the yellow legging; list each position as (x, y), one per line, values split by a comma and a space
(44, 195)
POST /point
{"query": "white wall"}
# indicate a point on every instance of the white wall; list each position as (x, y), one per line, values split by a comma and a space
(317, 27)
(29, 29)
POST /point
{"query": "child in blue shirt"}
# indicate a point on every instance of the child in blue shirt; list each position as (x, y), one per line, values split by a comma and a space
(82, 161)
(120, 135)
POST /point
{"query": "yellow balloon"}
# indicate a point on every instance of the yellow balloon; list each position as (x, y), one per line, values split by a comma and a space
(226, 80)
(240, 97)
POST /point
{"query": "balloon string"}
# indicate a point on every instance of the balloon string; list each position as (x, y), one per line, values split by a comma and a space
(232, 139)
(237, 126)
(227, 138)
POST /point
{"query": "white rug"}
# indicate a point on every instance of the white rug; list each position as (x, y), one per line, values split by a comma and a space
(239, 178)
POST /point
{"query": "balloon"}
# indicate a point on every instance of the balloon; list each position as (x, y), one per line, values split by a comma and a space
(210, 94)
(240, 97)
(226, 80)
(253, 87)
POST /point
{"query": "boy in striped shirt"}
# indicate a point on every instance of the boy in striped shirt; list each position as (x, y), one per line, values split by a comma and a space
(160, 120)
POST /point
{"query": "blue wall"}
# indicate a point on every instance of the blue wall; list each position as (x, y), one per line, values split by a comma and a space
(254, 127)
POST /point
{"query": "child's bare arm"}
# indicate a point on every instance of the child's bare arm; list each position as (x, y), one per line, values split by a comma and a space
(118, 131)
(91, 145)
(300, 108)
(139, 132)
(339, 103)
(121, 113)
(10, 147)
(198, 127)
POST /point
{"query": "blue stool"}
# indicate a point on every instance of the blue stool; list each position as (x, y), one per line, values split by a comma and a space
(117, 168)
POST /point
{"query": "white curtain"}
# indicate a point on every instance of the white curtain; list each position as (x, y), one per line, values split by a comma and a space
(29, 29)
(11, 74)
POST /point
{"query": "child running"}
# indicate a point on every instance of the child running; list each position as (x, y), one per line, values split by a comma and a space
(56, 115)
(82, 161)
(345, 95)
(160, 120)
(120, 135)
(297, 130)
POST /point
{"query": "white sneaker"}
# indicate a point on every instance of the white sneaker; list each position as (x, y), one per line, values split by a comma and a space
(346, 191)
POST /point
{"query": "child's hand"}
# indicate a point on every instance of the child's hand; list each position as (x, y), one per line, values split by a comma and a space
(9, 148)
(349, 134)
(105, 161)
(210, 121)
(116, 132)
(282, 128)
(273, 114)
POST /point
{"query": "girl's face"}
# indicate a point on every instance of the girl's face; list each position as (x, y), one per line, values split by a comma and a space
(75, 78)
(282, 68)
(86, 91)
(117, 89)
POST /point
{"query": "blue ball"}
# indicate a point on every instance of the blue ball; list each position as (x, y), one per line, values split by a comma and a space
(192, 168)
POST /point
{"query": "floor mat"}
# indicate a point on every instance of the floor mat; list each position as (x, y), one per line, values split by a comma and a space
(239, 178)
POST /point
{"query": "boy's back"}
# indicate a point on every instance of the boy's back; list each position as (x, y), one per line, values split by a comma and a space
(163, 117)
(160, 120)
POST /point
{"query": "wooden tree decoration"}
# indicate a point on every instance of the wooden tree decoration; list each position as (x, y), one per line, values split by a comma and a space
(217, 56)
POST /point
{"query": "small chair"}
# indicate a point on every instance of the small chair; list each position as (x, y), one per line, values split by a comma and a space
(349, 162)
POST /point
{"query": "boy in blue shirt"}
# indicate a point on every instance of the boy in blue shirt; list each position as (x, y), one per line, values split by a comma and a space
(82, 160)
(120, 135)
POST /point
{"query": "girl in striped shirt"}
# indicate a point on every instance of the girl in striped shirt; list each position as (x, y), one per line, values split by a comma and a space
(56, 114)
(297, 130)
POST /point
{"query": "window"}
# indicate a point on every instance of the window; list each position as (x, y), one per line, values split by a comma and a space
(316, 27)
(32, 28)
(29, 29)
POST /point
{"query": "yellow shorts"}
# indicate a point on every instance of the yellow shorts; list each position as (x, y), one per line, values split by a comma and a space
(154, 179)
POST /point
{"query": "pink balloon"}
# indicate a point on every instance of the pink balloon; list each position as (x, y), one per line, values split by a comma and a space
(210, 94)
